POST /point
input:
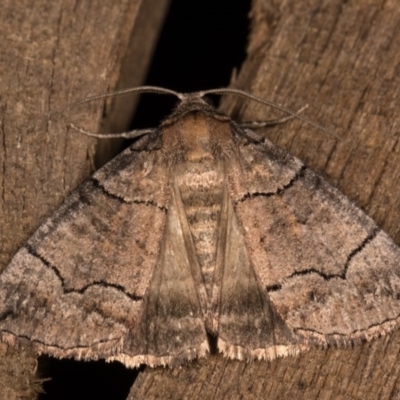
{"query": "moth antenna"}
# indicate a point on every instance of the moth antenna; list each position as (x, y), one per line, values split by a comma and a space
(271, 104)
(123, 92)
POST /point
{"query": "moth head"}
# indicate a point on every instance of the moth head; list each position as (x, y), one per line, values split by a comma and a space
(192, 102)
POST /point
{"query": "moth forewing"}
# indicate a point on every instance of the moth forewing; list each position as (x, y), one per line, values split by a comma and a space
(201, 228)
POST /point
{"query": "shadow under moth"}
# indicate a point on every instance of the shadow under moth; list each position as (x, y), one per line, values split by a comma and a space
(200, 229)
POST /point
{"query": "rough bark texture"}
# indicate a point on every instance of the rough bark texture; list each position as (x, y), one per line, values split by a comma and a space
(343, 59)
(54, 53)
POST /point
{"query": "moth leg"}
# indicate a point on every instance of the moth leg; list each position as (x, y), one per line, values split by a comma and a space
(271, 122)
(127, 135)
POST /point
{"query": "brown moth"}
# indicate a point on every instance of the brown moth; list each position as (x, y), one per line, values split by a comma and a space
(201, 229)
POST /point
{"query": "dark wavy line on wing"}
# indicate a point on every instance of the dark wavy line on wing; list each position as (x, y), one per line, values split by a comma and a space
(42, 343)
(327, 277)
(150, 203)
(82, 290)
(355, 331)
(299, 174)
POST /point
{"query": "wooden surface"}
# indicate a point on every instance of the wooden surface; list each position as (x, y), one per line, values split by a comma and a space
(343, 59)
(52, 53)
(340, 57)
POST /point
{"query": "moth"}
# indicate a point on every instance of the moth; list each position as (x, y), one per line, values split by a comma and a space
(201, 231)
